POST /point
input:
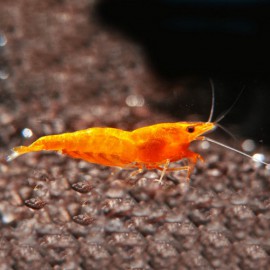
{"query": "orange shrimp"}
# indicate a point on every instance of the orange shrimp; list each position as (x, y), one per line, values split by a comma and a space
(151, 147)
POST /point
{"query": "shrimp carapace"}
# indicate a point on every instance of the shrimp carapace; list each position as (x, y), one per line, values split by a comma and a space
(151, 147)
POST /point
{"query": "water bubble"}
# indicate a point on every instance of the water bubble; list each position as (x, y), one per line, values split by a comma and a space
(3, 40)
(27, 133)
(214, 172)
(135, 101)
(7, 218)
(258, 158)
(248, 145)
(205, 145)
(3, 75)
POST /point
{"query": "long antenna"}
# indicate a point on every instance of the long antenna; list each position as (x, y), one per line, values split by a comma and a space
(225, 130)
(213, 100)
(237, 151)
(230, 108)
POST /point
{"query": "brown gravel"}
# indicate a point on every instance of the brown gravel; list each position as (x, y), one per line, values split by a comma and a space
(64, 72)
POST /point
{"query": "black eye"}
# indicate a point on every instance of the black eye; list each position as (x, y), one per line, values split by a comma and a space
(190, 129)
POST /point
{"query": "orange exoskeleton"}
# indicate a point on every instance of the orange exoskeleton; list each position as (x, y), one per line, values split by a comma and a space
(151, 147)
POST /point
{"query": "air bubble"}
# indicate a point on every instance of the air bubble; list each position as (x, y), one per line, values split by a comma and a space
(205, 145)
(27, 133)
(258, 158)
(3, 40)
(3, 75)
(7, 218)
(214, 172)
(248, 145)
(135, 101)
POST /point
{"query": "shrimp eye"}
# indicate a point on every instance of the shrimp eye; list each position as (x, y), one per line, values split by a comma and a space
(190, 129)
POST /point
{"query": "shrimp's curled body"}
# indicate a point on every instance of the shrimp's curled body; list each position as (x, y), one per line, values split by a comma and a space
(146, 147)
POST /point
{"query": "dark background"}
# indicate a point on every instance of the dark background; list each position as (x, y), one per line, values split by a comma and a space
(204, 37)
(227, 41)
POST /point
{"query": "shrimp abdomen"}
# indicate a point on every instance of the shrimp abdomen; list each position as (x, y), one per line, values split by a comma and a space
(106, 146)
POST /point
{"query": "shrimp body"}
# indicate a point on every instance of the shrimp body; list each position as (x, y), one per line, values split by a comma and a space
(148, 147)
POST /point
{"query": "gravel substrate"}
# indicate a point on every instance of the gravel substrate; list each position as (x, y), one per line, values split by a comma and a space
(62, 71)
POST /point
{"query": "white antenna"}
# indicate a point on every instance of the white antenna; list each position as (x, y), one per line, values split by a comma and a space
(237, 151)
(230, 108)
(213, 100)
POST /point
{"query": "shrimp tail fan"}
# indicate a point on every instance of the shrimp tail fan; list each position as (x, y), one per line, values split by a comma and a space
(17, 151)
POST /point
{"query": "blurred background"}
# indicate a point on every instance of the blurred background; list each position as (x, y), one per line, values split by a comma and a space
(69, 65)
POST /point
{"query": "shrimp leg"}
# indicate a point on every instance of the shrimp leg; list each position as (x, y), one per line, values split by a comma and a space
(189, 169)
(166, 165)
(182, 168)
(140, 170)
